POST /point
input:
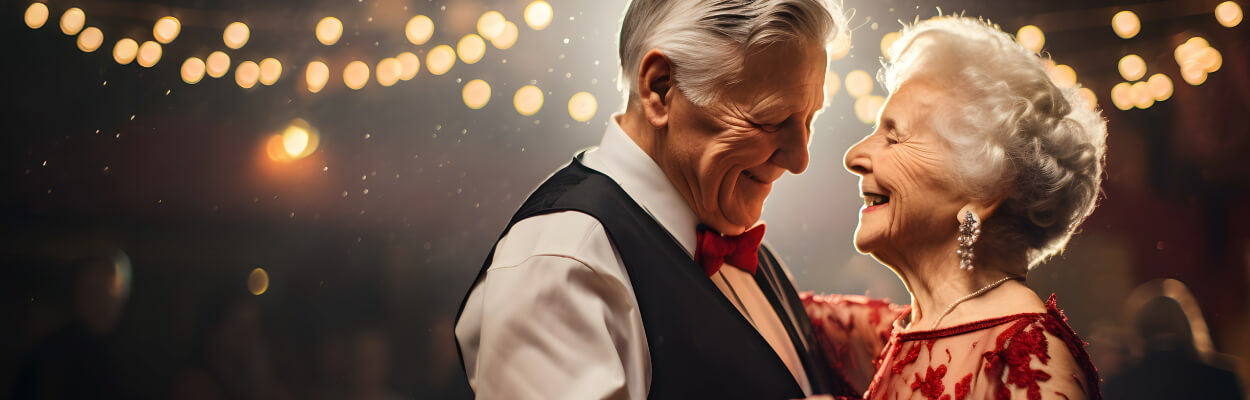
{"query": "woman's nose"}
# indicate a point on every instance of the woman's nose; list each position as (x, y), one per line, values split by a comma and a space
(857, 158)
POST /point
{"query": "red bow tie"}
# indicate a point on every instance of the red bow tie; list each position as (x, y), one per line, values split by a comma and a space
(715, 249)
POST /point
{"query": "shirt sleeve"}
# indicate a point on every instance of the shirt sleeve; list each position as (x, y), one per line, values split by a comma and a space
(554, 325)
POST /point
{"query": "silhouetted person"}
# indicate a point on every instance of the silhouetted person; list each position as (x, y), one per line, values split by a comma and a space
(1171, 367)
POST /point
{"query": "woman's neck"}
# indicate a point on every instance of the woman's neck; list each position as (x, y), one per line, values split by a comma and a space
(935, 281)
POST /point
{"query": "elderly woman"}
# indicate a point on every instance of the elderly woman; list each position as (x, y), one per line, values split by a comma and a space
(980, 168)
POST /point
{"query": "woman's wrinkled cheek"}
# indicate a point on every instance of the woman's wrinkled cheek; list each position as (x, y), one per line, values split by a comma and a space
(914, 188)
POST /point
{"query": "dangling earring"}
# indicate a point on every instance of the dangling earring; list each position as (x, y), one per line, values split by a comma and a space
(969, 232)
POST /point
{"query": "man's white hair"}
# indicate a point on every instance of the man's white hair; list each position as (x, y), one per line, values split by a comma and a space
(707, 40)
(1013, 133)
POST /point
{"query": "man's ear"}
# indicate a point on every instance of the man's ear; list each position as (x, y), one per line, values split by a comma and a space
(655, 87)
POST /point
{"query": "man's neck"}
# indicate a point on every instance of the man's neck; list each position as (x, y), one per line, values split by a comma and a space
(635, 125)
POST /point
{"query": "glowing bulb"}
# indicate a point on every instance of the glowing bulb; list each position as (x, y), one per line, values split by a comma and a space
(471, 48)
(218, 63)
(1132, 67)
(329, 30)
(858, 84)
(507, 38)
(1210, 59)
(192, 70)
(72, 21)
(419, 29)
(258, 281)
(409, 65)
(528, 100)
(90, 39)
(125, 50)
(166, 29)
(36, 15)
(1190, 49)
(149, 54)
(582, 106)
(1228, 14)
(841, 46)
(887, 41)
(538, 15)
(1193, 73)
(1125, 24)
(1091, 99)
(867, 107)
(1160, 87)
(1122, 96)
(490, 24)
(246, 74)
(389, 71)
(476, 94)
(1031, 37)
(832, 84)
(316, 75)
(294, 141)
(270, 71)
(440, 59)
(1063, 76)
(1141, 95)
(235, 35)
(356, 75)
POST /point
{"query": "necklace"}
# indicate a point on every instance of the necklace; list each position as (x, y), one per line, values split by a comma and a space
(979, 292)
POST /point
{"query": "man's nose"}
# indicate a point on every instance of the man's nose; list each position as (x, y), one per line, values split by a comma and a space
(792, 151)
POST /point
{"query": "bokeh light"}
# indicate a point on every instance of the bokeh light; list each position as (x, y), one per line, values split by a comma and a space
(149, 54)
(316, 76)
(72, 21)
(236, 35)
(1190, 49)
(125, 50)
(192, 70)
(329, 30)
(270, 71)
(1228, 14)
(298, 140)
(409, 65)
(356, 75)
(389, 71)
(217, 64)
(490, 25)
(90, 39)
(36, 15)
(1132, 67)
(419, 29)
(528, 100)
(1141, 95)
(538, 15)
(840, 47)
(1126, 24)
(1091, 99)
(1122, 96)
(1031, 37)
(166, 29)
(1209, 59)
(1193, 73)
(867, 107)
(507, 38)
(440, 59)
(582, 106)
(887, 41)
(1160, 87)
(858, 84)
(258, 281)
(476, 94)
(471, 48)
(246, 74)
(832, 84)
(1063, 76)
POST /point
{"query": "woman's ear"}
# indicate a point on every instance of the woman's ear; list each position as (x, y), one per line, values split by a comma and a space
(983, 209)
(655, 84)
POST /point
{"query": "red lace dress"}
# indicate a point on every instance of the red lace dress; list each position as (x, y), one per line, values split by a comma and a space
(1023, 356)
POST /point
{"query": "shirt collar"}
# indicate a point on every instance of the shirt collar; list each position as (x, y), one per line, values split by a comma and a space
(621, 159)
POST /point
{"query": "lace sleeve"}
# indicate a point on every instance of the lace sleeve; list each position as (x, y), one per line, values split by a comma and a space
(851, 331)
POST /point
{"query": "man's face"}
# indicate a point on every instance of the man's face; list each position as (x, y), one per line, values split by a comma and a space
(724, 157)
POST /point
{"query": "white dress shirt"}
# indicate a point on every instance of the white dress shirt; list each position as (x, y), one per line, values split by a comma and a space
(555, 316)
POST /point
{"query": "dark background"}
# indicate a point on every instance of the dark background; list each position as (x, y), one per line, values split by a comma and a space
(100, 158)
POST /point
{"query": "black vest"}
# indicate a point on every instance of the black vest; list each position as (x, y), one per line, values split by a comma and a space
(701, 346)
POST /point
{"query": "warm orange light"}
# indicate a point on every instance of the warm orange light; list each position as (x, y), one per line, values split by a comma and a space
(1132, 67)
(419, 29)
(90, 39)
(1228, 14)
(270, 71)
(389, 71)
(149, 54)
(72, 21)
(476, 94)
(236, 35)
(36, 15)
(471, 48)
(166, 29)
(125, 50)
(356, 75)
(1141, 95)
(192, 70)
(1063, 76)
(490, 25)
(528, 100)
(1122, 96)
(1210, 59)
(1091, 99)
(1160, 87)
(1031, 37)
(887, 41)
(316, 75)
(409, 65)
(582, 106)
(538, 15)
(329, 30)
(507, 38)
(440, 59)
(246, 74)
(840, 48)
(832, 84)
(1126, 24)
(858, 84)
(867, 108)
(258, 281)
(217, 64)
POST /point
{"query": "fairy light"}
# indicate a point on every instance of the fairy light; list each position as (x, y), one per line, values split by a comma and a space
(270, 71)
(1122, 96)
(476, 94)
(440, 59)
(1126, 24)
(887, 41)
(1228, 14)
(246, 74)
(36, 15)
(507, 38)
(582, 106)
(490, 25)
(1132, 67)
(388, 71)
(1141, 95)
(409, 65)
(1063, 76)
(867, 107)
(1031, 37)
(471, 48)
(329, 30)
(192, 70)
(149, 54)
(235, 35)
(840, 48)
(528, 100)
(90, 39)
(1160, 87)
(72, 21)
(166, 29)
(125, 50)
(316, 76)
(1091, 99)
(217, 64)
(356, 75)
(419, 29)
(538, 15)
(858, 83)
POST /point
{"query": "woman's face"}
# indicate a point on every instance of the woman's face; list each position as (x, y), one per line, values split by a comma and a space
(911, 196)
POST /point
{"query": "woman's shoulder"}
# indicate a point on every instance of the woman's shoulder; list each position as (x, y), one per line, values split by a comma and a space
(1064, 365)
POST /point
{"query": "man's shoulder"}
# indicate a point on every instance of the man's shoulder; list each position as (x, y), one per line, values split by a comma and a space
(569, 234)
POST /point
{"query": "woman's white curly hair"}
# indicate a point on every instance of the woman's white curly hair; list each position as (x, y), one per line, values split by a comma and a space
(1014, 134)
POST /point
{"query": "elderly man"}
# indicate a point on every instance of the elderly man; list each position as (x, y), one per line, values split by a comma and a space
(635, 271)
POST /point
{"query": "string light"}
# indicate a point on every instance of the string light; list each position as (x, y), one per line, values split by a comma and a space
(419, 29)
(1122, 96)
(270, 71)
(528, 100)
(72, 21)
(246, 74)
(867, 107)
(1160, 87)
(582, 106)
(192, 70)
(490, 25)
(258, 281)
(440, 59)
(1141, 95)
(409, 65)
(90, 39)
(1091, 99)
(1228, 14)
(476, 94)
(471, 48)
(125, 50)
(858, 84)
(1210, 59)
(1063, 76)
(1132, 67)
(832, 84)
(316, 76)
(538, 15)
(299, 140)
(887, 41)
(1126, 24)
(389, 71)
(840, 48)
(36, 15)
(149, 54)
(329, 30)
(1031, 37)
(507, 38)
(235, 35)
(166, 29)
(218, 63)
(356, 75)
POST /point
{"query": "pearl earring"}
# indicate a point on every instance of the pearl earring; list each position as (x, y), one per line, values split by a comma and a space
(969, 232)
